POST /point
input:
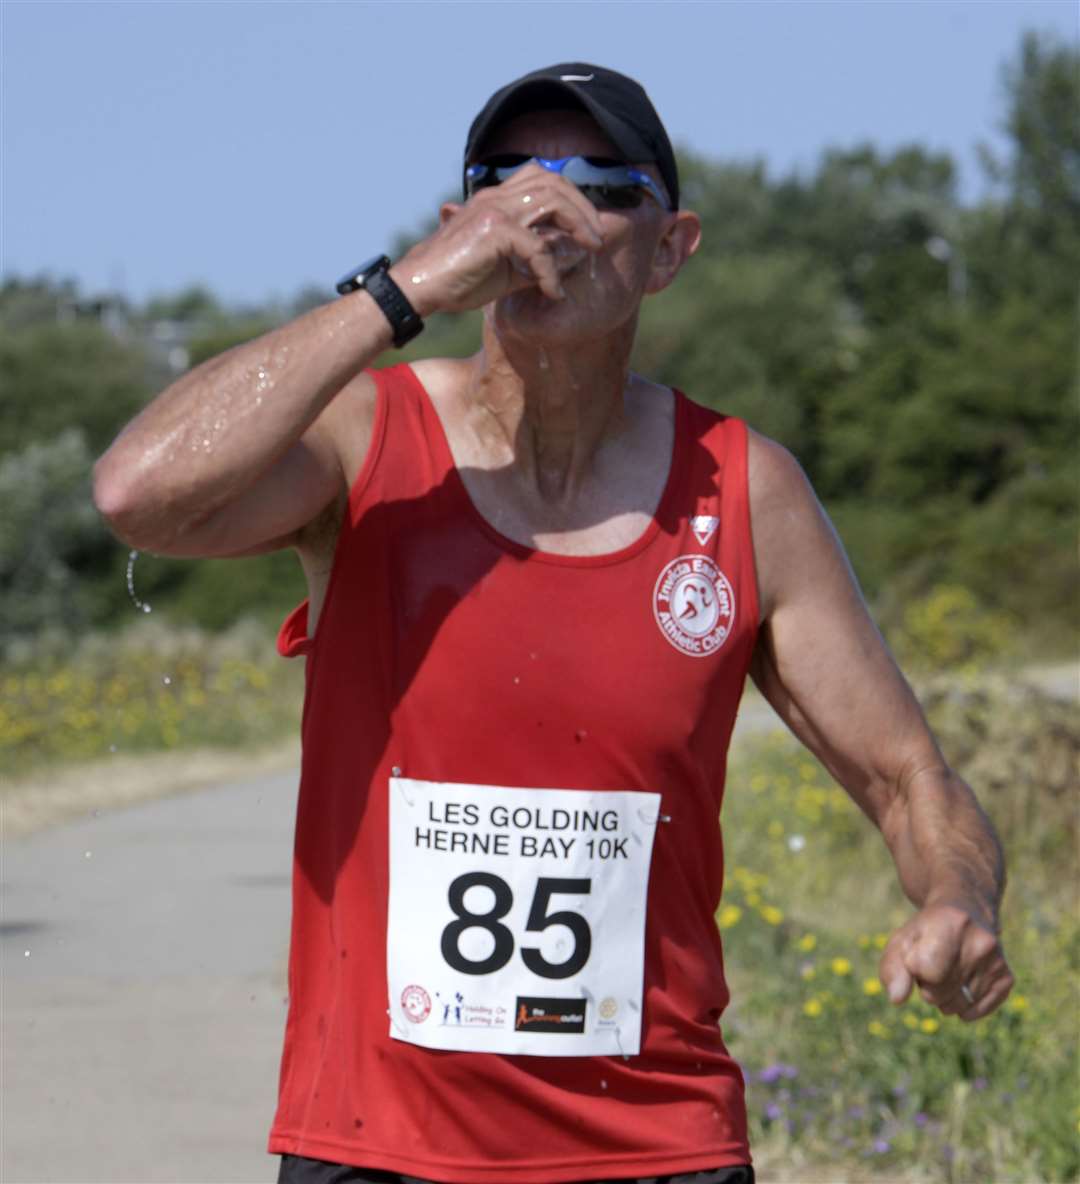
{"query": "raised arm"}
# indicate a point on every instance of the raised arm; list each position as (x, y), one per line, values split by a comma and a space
(823, 666)
(241, 453)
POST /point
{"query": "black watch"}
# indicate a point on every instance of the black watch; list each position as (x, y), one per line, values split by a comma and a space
(373, 278)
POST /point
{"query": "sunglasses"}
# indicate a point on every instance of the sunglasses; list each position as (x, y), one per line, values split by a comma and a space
(608, 184)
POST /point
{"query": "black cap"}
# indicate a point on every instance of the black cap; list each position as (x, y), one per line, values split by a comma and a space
(618, 104)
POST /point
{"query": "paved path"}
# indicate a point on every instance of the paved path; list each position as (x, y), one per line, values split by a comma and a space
(141, 1035)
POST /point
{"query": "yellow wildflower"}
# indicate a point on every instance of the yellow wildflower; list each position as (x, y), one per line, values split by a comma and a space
(877, 1028)
(929, 1025)
(730, 915)
(772, 915)
(753, 899)
(840, 966)
(1017, 1003)
(871, 986)
(910, 1021)
(812, 1008)
(881, 940)
(807, 942)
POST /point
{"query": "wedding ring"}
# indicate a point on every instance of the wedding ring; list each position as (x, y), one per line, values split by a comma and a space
(965, 990)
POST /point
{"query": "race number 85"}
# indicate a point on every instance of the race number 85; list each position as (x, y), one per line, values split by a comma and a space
(539, 920)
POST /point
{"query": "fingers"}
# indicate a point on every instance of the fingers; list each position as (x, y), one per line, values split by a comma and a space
(955, 961)
(534, 260)
(893, 972)
(536, 197)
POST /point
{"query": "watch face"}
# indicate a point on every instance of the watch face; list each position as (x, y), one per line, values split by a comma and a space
(354, 279)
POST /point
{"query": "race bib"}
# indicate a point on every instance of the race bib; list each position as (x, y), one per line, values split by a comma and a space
(516, 919)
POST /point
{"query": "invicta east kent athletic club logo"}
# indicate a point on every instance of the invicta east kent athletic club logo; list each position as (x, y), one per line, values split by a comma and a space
(694, 605)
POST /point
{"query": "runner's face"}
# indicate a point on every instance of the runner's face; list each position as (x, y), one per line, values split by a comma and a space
(602, 292)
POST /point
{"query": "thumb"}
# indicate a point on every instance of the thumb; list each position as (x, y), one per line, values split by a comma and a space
(893, 971)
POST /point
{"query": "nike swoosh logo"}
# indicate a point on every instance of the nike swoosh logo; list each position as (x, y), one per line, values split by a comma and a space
(576, 77)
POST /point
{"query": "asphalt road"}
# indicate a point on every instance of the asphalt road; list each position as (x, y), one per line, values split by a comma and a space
(143, 971)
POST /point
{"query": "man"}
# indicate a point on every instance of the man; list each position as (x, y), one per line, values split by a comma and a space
(537, 584)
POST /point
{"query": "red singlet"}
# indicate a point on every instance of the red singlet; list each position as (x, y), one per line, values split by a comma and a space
(453, 654)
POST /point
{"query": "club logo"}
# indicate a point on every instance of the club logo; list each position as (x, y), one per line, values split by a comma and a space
(416, 1003)
(694, 605)
(703, 526)
(536, 1014)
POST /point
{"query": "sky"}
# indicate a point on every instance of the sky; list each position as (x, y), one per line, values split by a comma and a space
(260, 147)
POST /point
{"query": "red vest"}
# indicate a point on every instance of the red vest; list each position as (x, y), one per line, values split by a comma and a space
(453, 654)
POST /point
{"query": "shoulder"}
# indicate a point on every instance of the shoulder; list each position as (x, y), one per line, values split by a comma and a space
(776, 479)
(795, 544)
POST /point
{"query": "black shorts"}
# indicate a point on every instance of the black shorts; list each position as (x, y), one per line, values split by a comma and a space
(298, 1169)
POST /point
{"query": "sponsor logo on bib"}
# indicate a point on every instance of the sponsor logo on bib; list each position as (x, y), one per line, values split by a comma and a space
(694, 605)
(540, 1014)
(416, 1003)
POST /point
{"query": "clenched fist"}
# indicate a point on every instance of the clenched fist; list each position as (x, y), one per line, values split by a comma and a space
(955, 960)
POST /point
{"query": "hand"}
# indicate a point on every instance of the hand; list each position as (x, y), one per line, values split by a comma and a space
(520, 234)
(942, 949)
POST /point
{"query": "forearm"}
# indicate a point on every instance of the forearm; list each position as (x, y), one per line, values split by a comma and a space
(945, 848)
(214, 431)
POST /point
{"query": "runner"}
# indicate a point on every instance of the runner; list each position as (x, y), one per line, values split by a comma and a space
(538, 582)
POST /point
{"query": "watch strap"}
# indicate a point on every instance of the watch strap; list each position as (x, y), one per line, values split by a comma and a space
(372, 276)
(403, 318)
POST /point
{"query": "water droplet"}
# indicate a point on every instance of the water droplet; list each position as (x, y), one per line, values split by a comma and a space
(527, 199)
(603, 1085)
(26, 953)
(592, 265)
(516, 680)
(87, 854)
(141, 605)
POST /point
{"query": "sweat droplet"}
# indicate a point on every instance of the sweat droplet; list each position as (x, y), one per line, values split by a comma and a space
(26, 953)
(87, 855)
(592, 266)
(603, 1085)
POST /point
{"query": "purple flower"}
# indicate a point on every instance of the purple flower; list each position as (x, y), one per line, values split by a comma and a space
(773, 1112)
(857, 1112)
(921, 1119)
(980, 1083)
(881, 1146)
(770, 1074)
(790, 1072)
